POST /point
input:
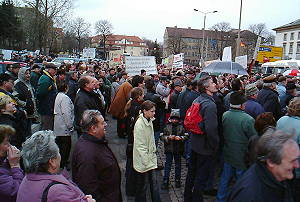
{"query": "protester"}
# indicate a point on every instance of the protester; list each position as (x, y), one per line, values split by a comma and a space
(238, 127)
(281, 86)
(132, 110)
(72, 85)
(267, 179)
(236, 85)
(144, 154)
(11, 174)
(290, 93)
(35, 76)
(268, 97)
(46, 93)
(252, 107)
(63, 122)
(12, 71)
(42, 181)
(173, 136)
(94, 167)
(174, 95)
(204, 146)
(86, 99)
(122, 96)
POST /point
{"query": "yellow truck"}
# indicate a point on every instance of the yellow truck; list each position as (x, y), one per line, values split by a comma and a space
(269, 53)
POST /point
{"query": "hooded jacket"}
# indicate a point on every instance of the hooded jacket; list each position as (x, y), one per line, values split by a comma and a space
(25, 92)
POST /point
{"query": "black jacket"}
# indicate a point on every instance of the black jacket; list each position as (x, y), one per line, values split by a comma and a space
(25, 95)
(173, 100)
(258, 185)
(160, 107)
(85, 100)
(185, 100)
(268, 98)
(73, 88)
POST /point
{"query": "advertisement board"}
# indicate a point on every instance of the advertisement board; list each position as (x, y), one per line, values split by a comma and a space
(269, 54)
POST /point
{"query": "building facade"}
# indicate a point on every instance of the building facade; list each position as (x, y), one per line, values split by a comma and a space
(117, 46)
(189, 41)
(288, 37)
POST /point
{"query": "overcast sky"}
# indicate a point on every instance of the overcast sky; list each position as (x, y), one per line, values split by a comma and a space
(150, 18)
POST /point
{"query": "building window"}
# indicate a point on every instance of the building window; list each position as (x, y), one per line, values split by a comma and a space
(298, 48)
(292, 36)
(284, 37)
(291, 48)
(284, 48)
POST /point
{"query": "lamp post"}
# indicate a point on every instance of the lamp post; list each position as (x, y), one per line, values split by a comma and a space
(238, 41)
(203, 33)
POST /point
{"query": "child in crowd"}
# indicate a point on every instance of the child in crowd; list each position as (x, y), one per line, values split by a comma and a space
(173, 136)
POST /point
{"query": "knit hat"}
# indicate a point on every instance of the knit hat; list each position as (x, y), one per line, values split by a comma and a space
(175, 114)
(251, 89)
(237, 98)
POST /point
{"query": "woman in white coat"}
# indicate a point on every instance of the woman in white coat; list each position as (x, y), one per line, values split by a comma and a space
(63, 122)
(144, 154)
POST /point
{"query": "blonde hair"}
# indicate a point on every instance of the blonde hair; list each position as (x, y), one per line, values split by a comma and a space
(5, 131)
(4, 100)
(293, 108)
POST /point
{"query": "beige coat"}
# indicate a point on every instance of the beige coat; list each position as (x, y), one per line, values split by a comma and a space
(144, 149)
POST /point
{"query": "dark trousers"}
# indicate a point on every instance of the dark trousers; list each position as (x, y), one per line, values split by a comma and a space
(197, 176)
(121, 127)
(142, 182)
(64, 144)
(130, 176)
(168, 164)
(47, 122)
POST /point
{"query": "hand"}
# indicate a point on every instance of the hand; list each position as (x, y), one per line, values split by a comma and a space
(13, 157)
(89, 198)
(177, 138)
(171, 137)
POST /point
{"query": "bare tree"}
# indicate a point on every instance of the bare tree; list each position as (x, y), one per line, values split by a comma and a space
(47, 14)
(261, 29)
(81, 30)
(104, 28)
(175, 44)
(221, 27)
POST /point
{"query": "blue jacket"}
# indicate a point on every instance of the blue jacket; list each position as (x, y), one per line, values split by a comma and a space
(253, 108)
(268, 98)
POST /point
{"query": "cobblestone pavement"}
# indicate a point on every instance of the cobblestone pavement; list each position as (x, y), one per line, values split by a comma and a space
(118, 146)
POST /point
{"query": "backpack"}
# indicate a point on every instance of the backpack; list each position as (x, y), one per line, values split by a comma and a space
(193, 119)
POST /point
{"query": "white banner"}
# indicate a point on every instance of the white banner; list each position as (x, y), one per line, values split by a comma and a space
(134, 65)
(242, 60)
(89, 53)
(7, 54)
(256, 48)
(227, 54)
(178, 61)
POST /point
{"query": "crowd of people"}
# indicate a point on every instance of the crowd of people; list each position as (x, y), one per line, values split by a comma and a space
(239, 132)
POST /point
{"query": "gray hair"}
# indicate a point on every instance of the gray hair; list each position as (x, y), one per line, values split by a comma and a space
(89, 118)
(38, 150)
(270, 145)
(269, 85)
(203, 83)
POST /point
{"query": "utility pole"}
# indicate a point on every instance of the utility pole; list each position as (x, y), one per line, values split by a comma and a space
(238, 41)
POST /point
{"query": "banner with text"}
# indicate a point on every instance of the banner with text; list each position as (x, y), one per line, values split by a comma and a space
(178, 61)
(134, 65)
(89, 53)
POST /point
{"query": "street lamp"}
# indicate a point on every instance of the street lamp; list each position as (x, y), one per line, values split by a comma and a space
(238, 41)
(203, 33)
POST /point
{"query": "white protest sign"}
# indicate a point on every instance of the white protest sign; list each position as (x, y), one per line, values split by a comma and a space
(7, 54)
(134, 65)
(242, 60)
(89, 53)
(178, 61)
(227, 54)
(37, 52)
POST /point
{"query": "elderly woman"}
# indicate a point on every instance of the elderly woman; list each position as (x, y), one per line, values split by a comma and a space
(144, 154)
(7, 116)
(42, 181)
(11, 174)
(63, 121)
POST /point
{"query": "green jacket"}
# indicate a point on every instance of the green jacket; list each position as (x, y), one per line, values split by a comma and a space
(238, 127)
